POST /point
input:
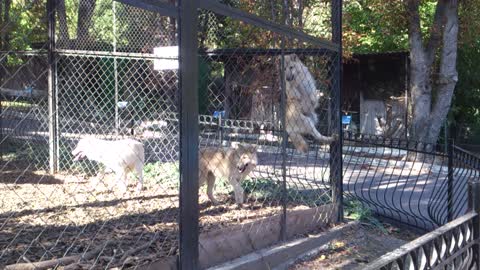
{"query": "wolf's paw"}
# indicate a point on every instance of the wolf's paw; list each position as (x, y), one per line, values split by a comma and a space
(335, 137)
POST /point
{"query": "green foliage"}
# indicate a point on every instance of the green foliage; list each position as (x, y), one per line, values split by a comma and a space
(270, 190)
(465, 110)
(162, 173)
(354, 209)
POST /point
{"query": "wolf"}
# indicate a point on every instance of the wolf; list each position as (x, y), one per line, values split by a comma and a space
(120, 156)
(301, 102)
(232, 163)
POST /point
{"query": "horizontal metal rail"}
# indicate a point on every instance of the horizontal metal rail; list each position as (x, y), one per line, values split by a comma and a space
(246, 17)
(222, 9)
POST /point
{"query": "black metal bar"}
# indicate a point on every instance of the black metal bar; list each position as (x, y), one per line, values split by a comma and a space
(474, 205)
(283, 225)
(217, 53)
(283, 110)
(159, 7)
(52, 95)
(450, 180)
(336, 169)
(374, 140)
(426, 239)
(189, 130)
(246, 17)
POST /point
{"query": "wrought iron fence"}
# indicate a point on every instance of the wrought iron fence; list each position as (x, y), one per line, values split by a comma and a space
(415, 183)
(455, 245)
(170, 91)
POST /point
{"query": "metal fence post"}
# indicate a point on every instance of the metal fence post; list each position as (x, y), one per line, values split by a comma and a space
(52, 95)
(189, 131)
(336, 178)
(474, 205)
(450, 180)
(283, 108)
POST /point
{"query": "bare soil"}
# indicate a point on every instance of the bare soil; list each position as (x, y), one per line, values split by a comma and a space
(44, 217)
(358, 246)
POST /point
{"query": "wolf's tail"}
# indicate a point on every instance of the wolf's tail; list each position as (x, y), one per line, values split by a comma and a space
(299, 142)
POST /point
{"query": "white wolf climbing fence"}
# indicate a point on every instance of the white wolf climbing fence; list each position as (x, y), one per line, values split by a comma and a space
(226, 113)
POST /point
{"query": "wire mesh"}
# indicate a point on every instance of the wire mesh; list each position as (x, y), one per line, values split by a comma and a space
(114, 106)
(245, 104)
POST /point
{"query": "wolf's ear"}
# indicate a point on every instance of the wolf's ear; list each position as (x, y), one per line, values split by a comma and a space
(240, 146)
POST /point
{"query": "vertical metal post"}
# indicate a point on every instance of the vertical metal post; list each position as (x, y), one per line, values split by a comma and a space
(336, 178)
(115, 67)
(189, 131)
(220, 125)
(283, 115)
(406, 96)
(474, 205)
(52, 95)
(450, 180)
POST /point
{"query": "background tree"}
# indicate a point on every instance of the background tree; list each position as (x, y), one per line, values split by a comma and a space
(86, 9)
(432, 86)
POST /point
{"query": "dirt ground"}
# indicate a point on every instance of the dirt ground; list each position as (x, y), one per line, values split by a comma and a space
(358, 246)
(45, 217)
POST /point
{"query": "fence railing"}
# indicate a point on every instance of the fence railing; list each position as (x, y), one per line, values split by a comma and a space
(415, 183)
(455, 245)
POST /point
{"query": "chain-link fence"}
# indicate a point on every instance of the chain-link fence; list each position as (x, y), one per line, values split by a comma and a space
(96, 154)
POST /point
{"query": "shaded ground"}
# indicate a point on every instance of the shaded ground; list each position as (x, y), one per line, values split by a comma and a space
(44, 217)
(356, 247)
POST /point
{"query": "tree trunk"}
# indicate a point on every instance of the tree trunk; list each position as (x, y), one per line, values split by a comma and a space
(448, 77)
(1, 25)
(64, 38)
(84, 24)
(429, 114)
(5, 31)
(300, 14)
(419, 71)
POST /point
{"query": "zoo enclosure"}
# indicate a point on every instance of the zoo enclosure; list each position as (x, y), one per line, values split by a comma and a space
(106, 85)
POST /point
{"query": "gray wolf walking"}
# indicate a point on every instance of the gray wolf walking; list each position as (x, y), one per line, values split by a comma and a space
(302, 100)
(233, 164)
(120, 156)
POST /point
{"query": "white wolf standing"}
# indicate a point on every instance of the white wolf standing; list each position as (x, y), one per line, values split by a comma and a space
(121, 156)
(302, 100)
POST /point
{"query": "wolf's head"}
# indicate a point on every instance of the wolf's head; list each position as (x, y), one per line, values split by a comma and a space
(293, 67)
(82, 150)
(247, 158)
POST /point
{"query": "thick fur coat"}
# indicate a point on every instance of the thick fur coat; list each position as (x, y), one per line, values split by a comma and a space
(121, 156)
(233, 164)
(302, 101)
